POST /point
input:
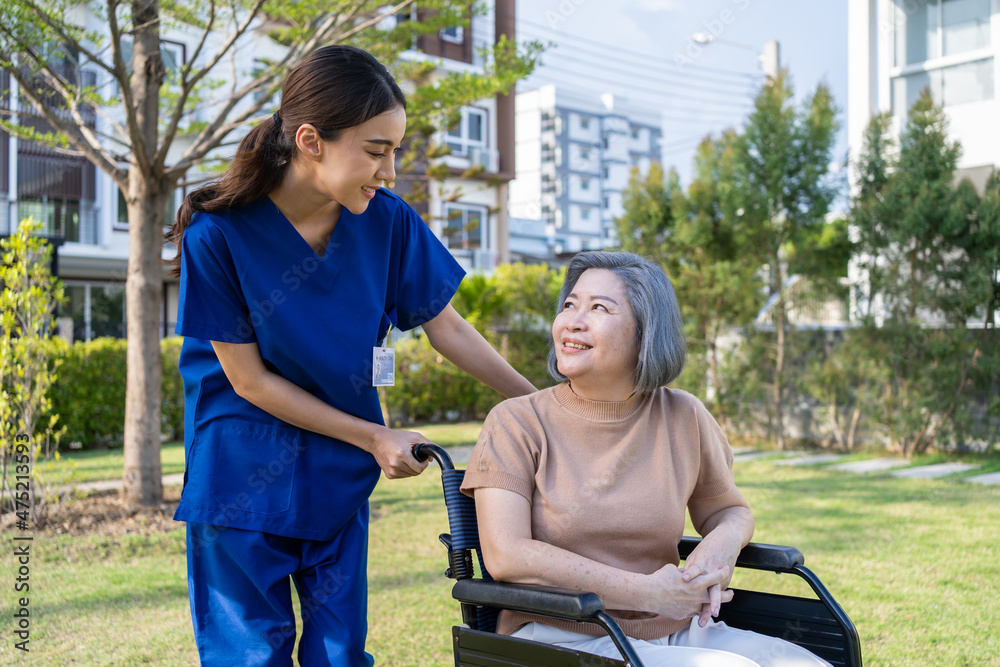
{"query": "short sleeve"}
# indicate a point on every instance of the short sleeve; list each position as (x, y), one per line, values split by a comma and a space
(715, 489)
(506, 455)
(429, 275)
(210, 302)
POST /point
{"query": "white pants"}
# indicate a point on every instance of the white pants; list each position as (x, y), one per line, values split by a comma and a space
(715, 645)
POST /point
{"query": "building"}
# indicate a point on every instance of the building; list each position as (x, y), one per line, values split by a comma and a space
(574, 156)
(468, 209)
(85, 214)
(898, 47)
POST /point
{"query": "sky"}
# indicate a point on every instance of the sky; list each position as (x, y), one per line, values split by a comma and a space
(642, 51)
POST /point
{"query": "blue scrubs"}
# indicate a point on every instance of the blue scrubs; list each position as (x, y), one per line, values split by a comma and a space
(248, 276)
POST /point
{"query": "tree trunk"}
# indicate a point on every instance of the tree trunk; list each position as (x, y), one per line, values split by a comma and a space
(142, 475)
(147, 199)
(779, 362)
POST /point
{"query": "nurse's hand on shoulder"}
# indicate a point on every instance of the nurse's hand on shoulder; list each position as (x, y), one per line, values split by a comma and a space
(394, 452)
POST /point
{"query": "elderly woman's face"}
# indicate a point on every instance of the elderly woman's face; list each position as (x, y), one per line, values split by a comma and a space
(595, 337)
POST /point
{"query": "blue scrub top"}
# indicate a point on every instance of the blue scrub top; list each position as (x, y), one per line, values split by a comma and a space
(248, 276)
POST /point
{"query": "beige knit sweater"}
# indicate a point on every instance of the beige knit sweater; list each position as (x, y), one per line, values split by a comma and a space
(608, 481)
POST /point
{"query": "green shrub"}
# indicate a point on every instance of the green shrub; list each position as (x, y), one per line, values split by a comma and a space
(172, 396)
(89, 396)
(430, 388)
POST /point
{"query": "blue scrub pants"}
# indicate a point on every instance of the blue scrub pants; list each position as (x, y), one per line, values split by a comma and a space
(241, 599)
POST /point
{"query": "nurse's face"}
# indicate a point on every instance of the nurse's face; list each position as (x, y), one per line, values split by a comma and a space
(352, 167)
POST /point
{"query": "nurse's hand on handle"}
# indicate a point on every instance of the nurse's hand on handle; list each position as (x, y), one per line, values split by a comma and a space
(394, 452)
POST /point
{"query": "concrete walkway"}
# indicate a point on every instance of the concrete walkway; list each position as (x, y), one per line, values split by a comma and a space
(869, 466)
(933, 471)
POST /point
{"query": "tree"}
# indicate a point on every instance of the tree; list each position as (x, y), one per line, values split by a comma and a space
(782, 181)
(28, 363)
(156, 118)
(930, 251)
(695, 237)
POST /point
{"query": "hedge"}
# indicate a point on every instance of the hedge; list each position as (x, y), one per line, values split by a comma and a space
(430, 388)
(89, 394)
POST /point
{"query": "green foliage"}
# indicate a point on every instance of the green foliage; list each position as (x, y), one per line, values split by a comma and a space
(929, 250)
(172, 391)
(695, 237)
(513, 311)
(28, 365)
(431, 388)
(90, 395)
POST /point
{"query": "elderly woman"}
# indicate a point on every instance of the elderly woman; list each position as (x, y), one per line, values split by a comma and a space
(583, 485)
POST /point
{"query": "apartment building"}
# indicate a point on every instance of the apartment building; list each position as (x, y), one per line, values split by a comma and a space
(85, 215)
(468, 209)
(896, 48)
(574, 156)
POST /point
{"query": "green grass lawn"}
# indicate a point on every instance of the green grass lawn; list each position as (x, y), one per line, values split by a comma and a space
(101, 464)
(915, 563)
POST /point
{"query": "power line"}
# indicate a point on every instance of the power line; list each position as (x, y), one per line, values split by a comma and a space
(648, 77)
(652, 95)
(646, 57)
(645, 63)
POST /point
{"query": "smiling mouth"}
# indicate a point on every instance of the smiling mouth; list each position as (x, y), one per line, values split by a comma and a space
(368, 189)
(576, 346)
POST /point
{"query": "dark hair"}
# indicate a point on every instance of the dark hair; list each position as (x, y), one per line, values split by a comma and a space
(335, 88)
(659, 329)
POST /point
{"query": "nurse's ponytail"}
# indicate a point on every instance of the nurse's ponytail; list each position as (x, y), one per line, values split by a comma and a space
(335, 88)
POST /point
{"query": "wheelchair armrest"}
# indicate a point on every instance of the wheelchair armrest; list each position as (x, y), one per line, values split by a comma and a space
(755, 556)
(528, 598)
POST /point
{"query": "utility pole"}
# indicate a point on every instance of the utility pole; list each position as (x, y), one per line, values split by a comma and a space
(770, 60)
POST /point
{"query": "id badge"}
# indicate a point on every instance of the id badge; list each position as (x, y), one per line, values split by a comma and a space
(383, 367)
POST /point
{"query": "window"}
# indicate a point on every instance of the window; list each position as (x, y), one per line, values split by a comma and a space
(584, 123)
(121, 223)
(951, 86)
(469, 132)
(97, 309)
(465, 227)
(584, 213)
(929, 29)
(454, 35)
(584, 183)
(58, 215)
(635, 133)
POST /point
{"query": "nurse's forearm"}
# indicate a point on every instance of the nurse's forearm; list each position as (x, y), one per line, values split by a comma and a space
(462, 345)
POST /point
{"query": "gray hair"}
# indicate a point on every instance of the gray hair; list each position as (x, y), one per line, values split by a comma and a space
(659, 326)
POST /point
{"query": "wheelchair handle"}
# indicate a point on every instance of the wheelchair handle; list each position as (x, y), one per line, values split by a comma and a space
(426, 450)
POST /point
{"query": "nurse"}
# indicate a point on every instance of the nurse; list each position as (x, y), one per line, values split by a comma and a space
(293, 268)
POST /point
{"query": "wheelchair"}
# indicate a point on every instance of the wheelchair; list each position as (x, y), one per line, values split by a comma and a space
(818, 624)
